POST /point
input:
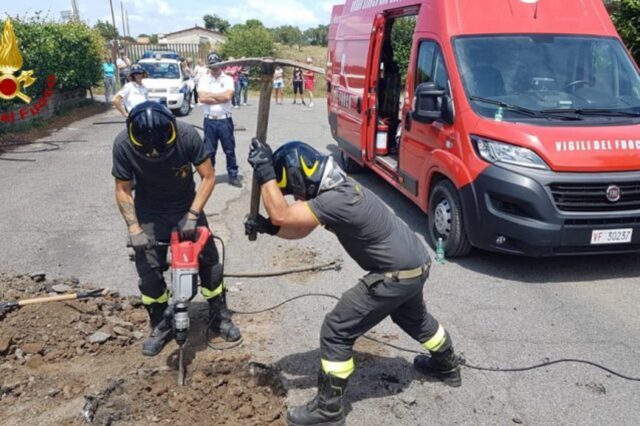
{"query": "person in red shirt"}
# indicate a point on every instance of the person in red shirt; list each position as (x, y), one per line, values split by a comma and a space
(234, 72)
(309, 82)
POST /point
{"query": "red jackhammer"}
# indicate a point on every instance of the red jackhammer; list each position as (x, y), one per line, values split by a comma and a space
(184, 286)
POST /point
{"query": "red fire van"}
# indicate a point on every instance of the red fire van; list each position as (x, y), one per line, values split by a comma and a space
(514, 124)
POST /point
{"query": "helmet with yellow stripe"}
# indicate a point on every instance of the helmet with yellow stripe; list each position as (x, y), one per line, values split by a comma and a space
(152, 130)
(303, 172)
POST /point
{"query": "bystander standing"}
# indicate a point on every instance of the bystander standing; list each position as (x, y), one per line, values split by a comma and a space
(109, 75)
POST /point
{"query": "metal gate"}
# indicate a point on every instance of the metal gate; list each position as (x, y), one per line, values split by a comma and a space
(194, 51)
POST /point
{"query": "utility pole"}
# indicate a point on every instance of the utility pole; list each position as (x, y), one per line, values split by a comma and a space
(114, 45)
(75, 14)
(124, 28)
(126, 14)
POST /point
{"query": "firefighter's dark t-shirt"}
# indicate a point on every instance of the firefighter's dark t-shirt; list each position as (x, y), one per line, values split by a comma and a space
(372, 235)
(164, 185)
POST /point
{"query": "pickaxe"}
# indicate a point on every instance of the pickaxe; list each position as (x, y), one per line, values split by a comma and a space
(15, 304)
(267, 68)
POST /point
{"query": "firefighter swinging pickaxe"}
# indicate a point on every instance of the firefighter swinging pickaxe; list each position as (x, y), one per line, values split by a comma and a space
(267, 68)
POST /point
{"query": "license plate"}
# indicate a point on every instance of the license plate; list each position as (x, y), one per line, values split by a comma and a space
(611, 236)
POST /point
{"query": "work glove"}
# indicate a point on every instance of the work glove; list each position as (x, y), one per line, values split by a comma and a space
(260, 225)
(141, 241)
(187, 229)
(261, 159)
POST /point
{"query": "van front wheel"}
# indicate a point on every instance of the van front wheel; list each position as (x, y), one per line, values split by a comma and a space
(445, 220)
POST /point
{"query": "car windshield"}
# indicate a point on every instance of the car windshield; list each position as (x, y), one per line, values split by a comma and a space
(162, 70)
(584, 76)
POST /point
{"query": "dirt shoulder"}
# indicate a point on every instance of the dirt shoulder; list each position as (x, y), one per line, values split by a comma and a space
(69, 362)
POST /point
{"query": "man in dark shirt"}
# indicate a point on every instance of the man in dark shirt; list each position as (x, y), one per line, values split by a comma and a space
(398, 265)
(158, 154)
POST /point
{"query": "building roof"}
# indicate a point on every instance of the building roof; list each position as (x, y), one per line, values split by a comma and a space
(196, 28)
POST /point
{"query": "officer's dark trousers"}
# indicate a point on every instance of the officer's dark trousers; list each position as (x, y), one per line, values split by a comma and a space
(153, 262)
(367, 304)
(221, 130)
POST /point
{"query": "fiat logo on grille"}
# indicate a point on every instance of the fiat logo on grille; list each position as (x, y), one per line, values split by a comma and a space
(613, 193)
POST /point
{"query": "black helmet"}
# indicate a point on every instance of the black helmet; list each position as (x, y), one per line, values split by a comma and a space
(303, 172)
(136, 69)
(152, 129)
(213, 59)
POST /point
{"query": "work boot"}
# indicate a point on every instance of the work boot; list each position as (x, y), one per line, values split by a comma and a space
(443, 365)
(161, 329)
(220, 319)
(326, 408)
(235, 181)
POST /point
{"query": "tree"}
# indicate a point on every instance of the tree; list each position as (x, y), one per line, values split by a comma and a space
(248, 41)
(153, 39)
(626, 16)
(318, 36)
(216, 23)
(106, 30)
(401, 41)
(288, 35)
(254, 23)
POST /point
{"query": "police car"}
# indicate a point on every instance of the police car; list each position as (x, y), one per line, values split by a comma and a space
(166, 83)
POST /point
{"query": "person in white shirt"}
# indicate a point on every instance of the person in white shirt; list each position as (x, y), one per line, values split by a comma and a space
(215, 92)
(133, 93)
(199, 72)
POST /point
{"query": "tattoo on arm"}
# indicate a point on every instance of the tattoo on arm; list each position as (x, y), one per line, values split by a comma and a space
(128, 212)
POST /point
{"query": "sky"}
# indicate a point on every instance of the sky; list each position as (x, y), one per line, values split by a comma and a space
(164, 16)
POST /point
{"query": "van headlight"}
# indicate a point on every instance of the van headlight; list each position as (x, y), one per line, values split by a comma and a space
(500, 152)
(174, 90)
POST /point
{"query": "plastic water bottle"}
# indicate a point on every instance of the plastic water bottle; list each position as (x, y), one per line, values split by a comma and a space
(440, 251)
(499, 114)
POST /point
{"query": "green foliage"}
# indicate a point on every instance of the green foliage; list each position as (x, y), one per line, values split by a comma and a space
(153, 39)
(626, 16)
(216, 23)
(106, 30)
(254, 23)
(288, 35)
(401, 40)
(70, 51)
(248, 41)
(318, 36)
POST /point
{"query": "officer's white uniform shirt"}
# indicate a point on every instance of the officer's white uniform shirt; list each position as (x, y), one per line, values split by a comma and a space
(133, 94)
(217, 86)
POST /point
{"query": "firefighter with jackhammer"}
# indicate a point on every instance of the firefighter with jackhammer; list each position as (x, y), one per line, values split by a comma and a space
(398, 265)
(159, 154)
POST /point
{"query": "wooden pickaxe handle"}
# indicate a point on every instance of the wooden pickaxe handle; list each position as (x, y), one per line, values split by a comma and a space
(6, 306)
(261, 134)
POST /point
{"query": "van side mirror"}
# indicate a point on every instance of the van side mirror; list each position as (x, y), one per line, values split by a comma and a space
(432, 104)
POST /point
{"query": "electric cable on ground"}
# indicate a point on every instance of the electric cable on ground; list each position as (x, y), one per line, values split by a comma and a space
(464, 362)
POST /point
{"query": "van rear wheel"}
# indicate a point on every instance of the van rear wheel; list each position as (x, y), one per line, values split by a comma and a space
(446, 221)
(349, 165)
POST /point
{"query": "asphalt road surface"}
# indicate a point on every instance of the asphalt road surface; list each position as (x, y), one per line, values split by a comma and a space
(59, 216)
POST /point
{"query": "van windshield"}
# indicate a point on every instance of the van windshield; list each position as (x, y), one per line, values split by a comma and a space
(544, 76)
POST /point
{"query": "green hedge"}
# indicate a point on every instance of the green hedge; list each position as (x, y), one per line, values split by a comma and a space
(71, 51)
(626, 16)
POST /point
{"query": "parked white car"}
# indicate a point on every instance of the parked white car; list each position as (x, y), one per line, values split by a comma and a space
(167, 84)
